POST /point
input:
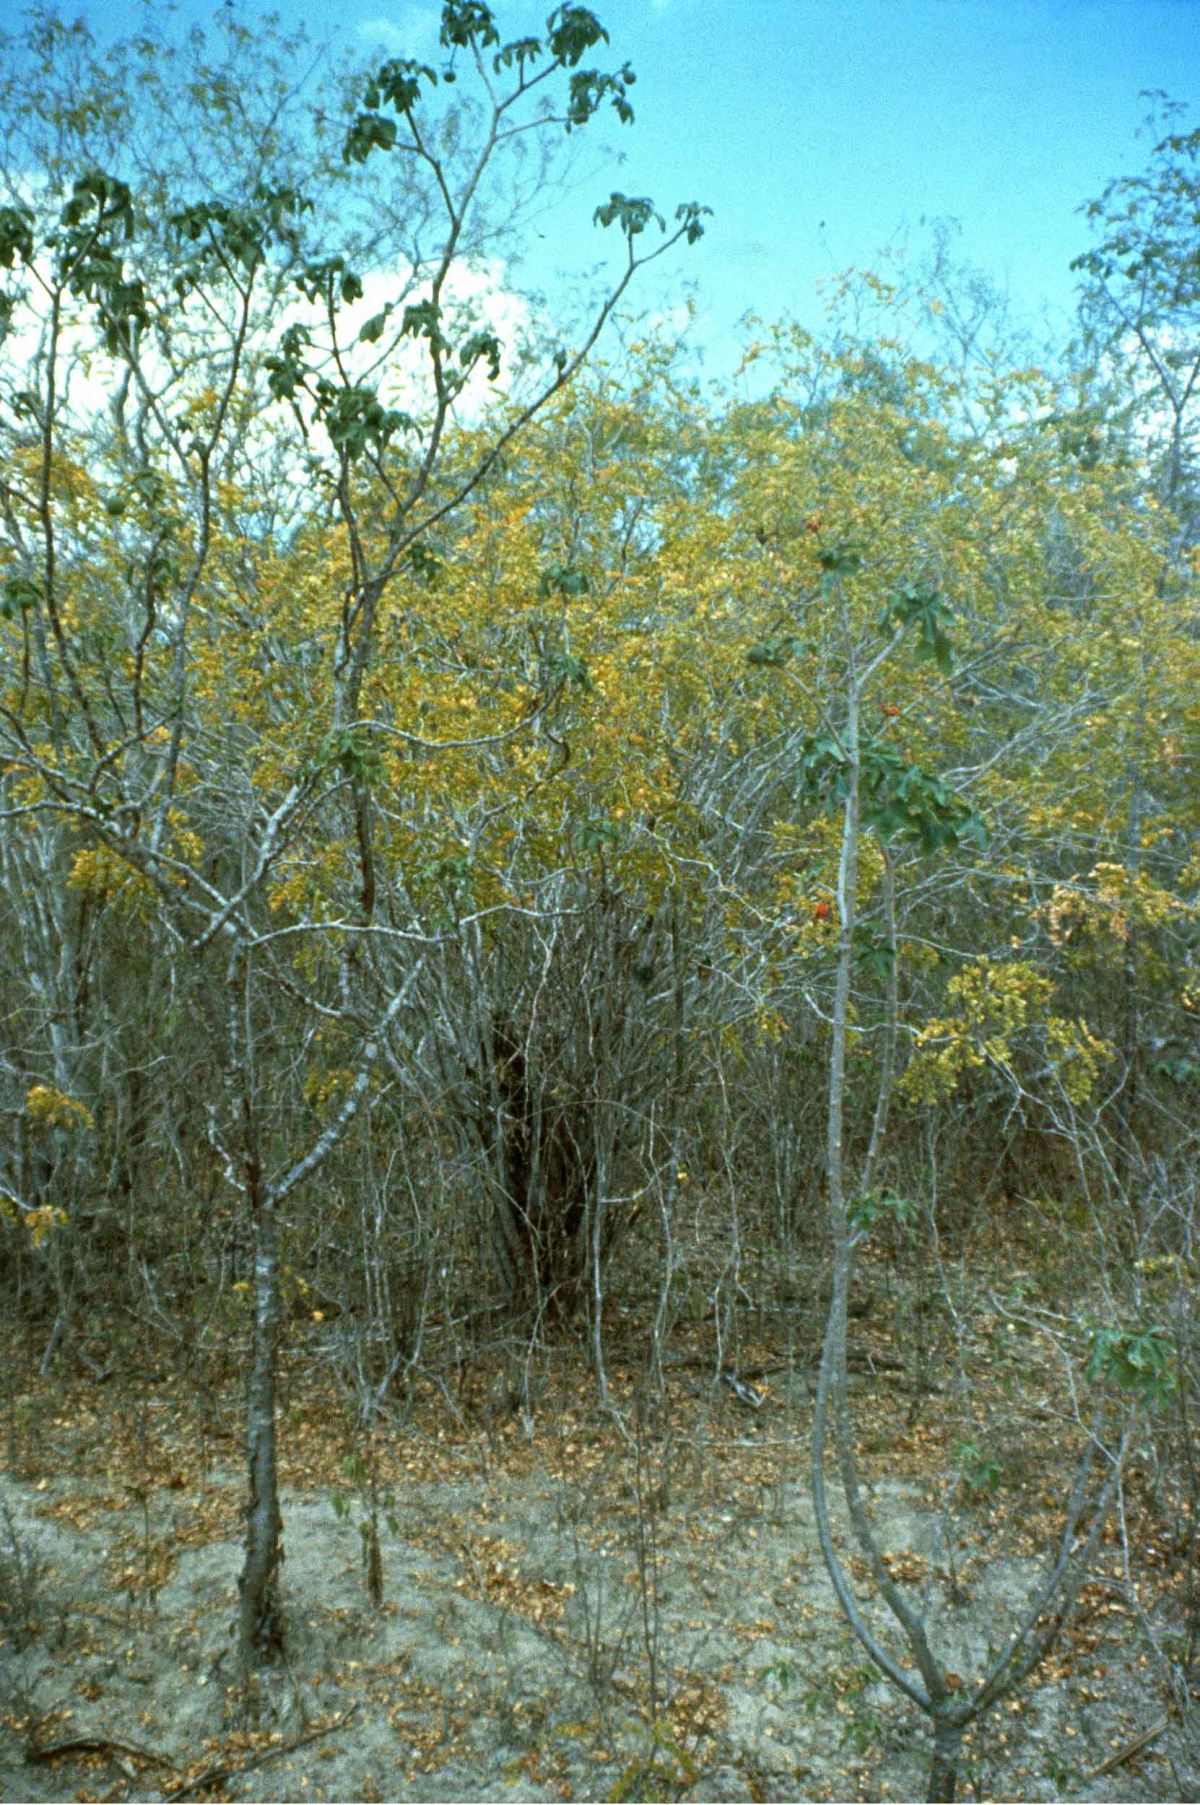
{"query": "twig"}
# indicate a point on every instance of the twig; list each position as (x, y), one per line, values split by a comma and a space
(1128, 1752)
(87, 1744)
(222, 1770)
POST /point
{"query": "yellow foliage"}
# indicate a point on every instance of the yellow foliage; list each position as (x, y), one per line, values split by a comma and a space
(50, 1108)
(38, 1224)
(328, 1087)
(1077, 1056)
(103, 874)
(1109, 903)
(997, 1003)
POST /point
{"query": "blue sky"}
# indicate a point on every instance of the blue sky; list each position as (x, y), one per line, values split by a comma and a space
(821, 131)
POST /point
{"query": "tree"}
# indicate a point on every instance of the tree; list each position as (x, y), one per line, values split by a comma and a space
(154, 606)
(1140, 303)
(1140, 317)
(877, 524)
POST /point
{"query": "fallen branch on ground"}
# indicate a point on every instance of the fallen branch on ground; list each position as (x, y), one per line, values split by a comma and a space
(83, 1745)
(1128, 1752)
(225, 1768)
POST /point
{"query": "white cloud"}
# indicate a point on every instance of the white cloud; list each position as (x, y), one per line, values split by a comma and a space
(474, 298)
(396, 365)
(415, 33)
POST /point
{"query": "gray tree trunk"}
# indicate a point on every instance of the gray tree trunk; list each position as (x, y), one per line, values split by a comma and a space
(260, 1618)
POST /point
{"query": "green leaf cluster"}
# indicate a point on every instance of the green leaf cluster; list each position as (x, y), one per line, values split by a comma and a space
(98, 219)
(1142, 1361)
(899, 800)
(925, 609)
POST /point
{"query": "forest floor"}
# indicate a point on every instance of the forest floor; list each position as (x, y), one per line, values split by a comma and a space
(574, 1606)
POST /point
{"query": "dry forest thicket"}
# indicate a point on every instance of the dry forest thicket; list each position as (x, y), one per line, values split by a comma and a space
(567, 918)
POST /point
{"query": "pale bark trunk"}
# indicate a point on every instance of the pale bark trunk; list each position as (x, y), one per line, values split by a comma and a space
(260, 1620)
(1130, 1025)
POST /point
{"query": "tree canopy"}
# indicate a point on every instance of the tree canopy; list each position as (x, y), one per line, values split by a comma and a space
(467, 793)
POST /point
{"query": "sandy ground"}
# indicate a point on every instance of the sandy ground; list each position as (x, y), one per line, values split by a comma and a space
(537, 1624)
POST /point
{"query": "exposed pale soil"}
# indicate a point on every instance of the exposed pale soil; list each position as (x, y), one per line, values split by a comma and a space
(535, 1621)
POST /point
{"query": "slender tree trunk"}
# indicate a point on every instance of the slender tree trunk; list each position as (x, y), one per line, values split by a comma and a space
(835, 1157)
(943, 1769)
(1131, 1024)
(261, 1625)
(599, 1184)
